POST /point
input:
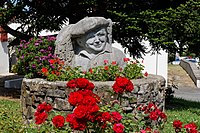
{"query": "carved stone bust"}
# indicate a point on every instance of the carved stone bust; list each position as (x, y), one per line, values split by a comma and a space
(87, 44)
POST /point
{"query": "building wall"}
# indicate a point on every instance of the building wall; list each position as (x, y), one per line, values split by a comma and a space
(4, 58)
(153, 63)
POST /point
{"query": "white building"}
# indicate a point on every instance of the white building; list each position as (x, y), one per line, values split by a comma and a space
(156, 64)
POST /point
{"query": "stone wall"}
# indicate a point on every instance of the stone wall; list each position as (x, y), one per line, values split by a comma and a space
(36, 91)
(193, 71)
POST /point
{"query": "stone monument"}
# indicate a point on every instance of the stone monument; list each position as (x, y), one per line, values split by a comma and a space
(87, 44)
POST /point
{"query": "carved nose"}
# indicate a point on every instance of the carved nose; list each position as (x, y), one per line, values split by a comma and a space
(96, 40)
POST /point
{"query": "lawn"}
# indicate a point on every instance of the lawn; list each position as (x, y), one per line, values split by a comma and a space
(186, 111)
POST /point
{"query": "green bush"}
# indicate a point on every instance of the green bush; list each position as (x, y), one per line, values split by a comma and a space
(34, 55)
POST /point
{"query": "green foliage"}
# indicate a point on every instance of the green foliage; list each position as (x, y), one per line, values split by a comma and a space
(133, 70)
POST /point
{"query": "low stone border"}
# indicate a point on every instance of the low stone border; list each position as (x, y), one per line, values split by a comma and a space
(36, 91)
(193, 71)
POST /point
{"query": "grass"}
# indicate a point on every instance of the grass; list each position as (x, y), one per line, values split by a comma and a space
(186, 111)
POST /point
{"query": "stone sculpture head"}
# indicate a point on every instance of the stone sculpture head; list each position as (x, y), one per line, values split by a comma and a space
(94, 41)
(90, 38)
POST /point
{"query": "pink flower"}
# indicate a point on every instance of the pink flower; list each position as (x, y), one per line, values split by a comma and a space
(105, 61)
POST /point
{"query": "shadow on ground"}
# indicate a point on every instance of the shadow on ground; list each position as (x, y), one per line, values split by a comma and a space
(181, 104)
(12, 93)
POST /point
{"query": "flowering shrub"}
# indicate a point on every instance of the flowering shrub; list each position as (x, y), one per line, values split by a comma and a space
(89, 116)
(188, 128)
(35, 58)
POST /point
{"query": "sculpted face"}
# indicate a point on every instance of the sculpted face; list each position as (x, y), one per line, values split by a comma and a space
(94, 41)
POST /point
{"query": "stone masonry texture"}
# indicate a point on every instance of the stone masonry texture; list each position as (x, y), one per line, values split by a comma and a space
(36, 91)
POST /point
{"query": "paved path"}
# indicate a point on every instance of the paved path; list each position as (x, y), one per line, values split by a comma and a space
(186, 87)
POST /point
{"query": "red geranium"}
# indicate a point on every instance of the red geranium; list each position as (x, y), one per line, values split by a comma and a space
(72, 84)
(40, 118)
(58, 121)
(117, 89)
(118, 128)
(82, 83)
(114, 62)
(191, 128)
(80, 111)
(44, 70)
(116, 116)
(105, 61)
(177, 124)
(153, 116)
(90, 86)
(122, 84)
(89, 100)
(52, 61)
(163, 115)
(129, 86)
(126, 59)
(75, 98)
(105, 116)
(146, 74)
(106, 68)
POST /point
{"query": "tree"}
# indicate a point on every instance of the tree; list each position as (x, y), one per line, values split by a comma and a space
(129, 29)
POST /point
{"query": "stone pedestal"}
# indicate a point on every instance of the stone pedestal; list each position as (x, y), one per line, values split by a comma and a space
(36, 91)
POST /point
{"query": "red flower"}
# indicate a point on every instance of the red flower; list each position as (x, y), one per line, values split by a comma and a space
(117, 89)
(90, 70)
(43, 107)
(118, 128)
(89, 100)
(105, 116)
(126, 59)
(116, 116)
(163, 115)
(93, 108)
(75, 98)
(90, 86)
(74, 123)
(82, 83)
(40, 118)
(44, 70)
(106, 68)
(105, 61)
(177, 124)
(122, 81)
(58, 121)
(122, 84)
(153, 116)
(48, 108)
(191, 128)
(72, 84)
(146, 74)
(80, 111)
(129, 86)
(70, 118)
(52, 61)
(114, 62)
